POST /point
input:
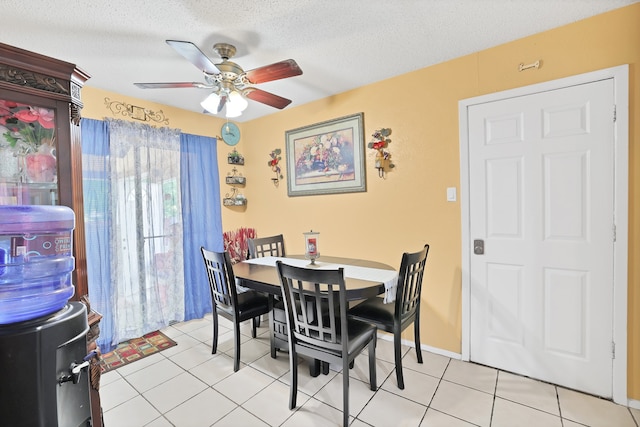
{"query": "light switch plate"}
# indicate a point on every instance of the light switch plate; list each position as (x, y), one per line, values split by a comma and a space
(451, 194)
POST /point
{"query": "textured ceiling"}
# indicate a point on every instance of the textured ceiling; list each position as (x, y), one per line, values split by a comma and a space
(339, 44)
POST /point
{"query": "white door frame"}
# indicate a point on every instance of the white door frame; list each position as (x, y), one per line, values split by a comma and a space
(620, 76)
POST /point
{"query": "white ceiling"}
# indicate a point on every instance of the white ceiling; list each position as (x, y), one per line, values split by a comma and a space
(339, 44)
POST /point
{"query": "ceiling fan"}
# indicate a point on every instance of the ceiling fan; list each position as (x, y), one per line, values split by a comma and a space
(229, 82)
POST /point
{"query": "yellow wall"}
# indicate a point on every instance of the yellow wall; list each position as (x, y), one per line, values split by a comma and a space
(409, 207)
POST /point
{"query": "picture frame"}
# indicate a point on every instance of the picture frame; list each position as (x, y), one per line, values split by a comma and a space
(326, 157)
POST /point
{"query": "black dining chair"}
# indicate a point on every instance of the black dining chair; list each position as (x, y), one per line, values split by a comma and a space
(395, 317)
(272, 246)
(316, 308)
(227, 302)
(266, 246)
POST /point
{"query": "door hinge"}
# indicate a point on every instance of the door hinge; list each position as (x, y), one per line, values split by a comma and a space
(615, 236)
(614, 113)
(613, 350)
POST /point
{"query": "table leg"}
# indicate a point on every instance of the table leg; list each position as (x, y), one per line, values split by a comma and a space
(325, 368)
(314, 367)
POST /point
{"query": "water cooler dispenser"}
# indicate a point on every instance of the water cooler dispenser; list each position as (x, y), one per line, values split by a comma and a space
(43, 348)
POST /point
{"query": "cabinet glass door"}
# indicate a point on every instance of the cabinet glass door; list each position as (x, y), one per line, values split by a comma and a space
(28, 163)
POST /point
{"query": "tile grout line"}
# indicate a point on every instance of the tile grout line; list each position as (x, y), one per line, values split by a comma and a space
(493, 401)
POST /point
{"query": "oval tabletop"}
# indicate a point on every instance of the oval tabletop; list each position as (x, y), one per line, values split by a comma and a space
(265, 278)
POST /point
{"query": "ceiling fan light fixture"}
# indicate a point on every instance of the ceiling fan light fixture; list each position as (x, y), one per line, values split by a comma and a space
(237, 101)
(211, 102)
(235, 105)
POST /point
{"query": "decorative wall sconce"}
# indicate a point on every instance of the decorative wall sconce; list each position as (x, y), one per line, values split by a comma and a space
(273, 164)
(383, 157)
(311, 246)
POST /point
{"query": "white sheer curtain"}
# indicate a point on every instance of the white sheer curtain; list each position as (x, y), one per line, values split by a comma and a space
(146, 228)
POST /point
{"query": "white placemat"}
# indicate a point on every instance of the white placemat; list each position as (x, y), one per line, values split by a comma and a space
(388, 277)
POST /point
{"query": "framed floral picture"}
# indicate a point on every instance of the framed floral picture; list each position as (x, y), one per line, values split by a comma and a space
(326, 158)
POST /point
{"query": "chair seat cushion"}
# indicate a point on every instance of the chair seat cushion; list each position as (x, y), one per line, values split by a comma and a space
(374, 310)
(251, 304)
(359, 334)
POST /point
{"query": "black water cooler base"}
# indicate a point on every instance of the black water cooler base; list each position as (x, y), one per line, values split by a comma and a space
(37, 357)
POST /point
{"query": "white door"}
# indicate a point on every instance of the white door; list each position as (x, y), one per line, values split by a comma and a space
(541, 201)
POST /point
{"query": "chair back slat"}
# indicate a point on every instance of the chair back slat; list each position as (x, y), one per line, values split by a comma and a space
(410, 282)
(267, 246)
(316, 305)
(221, 279)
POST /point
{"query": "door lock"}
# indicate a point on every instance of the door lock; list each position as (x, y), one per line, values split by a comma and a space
(478, 247)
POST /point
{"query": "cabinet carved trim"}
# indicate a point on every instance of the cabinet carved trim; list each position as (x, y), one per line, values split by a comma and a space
(30, 79)
(74, 114)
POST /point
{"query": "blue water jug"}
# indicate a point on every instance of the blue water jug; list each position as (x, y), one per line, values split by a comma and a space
(36, 261)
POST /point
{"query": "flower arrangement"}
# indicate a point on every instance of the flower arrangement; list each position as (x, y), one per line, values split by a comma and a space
(328, 152)
(26, 128)
(379, 143)
(273, 164)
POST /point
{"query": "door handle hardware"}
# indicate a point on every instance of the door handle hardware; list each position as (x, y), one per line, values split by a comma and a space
(478, 247)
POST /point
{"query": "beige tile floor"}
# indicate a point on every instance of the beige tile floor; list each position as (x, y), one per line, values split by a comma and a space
(187, 386)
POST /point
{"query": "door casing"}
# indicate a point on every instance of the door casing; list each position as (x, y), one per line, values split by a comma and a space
(620, 76)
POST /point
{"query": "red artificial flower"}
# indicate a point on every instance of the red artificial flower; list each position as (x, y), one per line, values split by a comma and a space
(378, 145)
(43, 116)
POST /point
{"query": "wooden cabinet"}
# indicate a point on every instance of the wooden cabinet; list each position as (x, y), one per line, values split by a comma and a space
(40, 152)
(46, 92)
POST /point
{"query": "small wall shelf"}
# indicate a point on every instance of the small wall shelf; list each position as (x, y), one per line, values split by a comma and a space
(234, 202)
(234, 198)
(235, 178)
(235, 158)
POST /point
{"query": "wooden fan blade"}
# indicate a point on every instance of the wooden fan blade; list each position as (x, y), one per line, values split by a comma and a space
(194, 55)
(279, 70)
(266, 97)
(172, 85)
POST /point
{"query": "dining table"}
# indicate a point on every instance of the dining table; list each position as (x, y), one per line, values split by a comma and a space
(363, 279)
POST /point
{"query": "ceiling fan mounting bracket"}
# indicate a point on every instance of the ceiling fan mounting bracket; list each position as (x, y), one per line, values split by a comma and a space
(224, 50)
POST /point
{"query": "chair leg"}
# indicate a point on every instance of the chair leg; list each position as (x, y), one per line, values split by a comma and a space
(236, 338)
(257, 319)
(373, 382)
(416, 333)
(254, 324)
(272, 328)
(293, 367)
(214, 347)
(397, 350)
(345, 390)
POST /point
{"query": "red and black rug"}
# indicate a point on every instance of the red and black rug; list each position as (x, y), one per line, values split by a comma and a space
(135, 349)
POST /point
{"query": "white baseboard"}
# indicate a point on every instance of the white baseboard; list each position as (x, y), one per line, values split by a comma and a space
(435, 350)
(634, 404)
